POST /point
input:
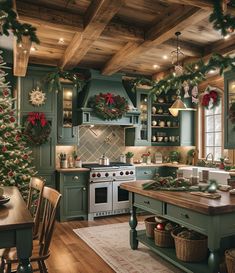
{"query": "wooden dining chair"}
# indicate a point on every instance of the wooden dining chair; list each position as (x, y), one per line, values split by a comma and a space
(41, 246)
(34, 202)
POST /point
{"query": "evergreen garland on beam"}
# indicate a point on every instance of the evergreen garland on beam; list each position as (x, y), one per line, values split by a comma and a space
(8, 21)
(193, 74)
(223, 22)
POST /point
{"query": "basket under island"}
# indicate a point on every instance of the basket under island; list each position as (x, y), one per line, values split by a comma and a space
(212, 217)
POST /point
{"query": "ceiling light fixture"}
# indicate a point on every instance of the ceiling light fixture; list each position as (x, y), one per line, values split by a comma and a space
(165, 57)
(178, 105)
(156, 66)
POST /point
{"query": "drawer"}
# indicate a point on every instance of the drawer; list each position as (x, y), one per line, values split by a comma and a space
(145, 173)
(188, 218)
(149, 204)
(81, 177)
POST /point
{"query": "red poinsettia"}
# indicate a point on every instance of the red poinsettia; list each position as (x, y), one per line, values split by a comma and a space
(205, 100)
(210, 97)
(35, 117)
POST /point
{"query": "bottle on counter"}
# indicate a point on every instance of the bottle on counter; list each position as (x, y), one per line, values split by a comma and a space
(63, 161)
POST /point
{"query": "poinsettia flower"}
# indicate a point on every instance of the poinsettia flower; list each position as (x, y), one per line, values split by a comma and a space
(205, 100)
(213, 95)
(43, 122)
(4, 149)
(12, 119)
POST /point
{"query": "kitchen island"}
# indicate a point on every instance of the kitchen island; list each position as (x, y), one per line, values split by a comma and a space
(214, 218)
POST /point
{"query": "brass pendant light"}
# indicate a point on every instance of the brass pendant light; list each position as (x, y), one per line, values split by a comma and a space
(178, 104)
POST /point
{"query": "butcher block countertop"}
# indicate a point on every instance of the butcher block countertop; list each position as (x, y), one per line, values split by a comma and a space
(225, 204)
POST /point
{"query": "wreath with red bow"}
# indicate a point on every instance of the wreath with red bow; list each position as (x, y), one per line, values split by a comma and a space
(210, 99)
(37, 128)
(109, 106)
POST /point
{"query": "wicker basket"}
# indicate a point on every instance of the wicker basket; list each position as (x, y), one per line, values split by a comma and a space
(230, 260)
(189, 250)
(163, 238)
(150, 224)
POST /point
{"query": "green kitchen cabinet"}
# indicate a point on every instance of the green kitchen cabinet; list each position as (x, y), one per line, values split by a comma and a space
(140, 134)
(67, 133)
(35, 79)
(146, 172)
(187, 121)
(74, 189)
(229, 110)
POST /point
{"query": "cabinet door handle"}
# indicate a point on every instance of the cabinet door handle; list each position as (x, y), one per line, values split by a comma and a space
(146, 202)
(84, 189)
(146, 172)
(75, 177)
(185, 215)
(73, 134)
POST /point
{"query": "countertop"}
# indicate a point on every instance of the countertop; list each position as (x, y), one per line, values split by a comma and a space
(73, 170)
(178, 165)
(203, 205)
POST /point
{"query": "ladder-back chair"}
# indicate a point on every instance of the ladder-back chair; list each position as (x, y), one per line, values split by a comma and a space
(41, 246)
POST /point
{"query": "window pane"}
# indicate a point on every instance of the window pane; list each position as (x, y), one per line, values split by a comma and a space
(218, 123)
(208, 112)
(209, 150)
(218, 139)
(210, 139)
(218, 109)
(217, 153)
(209, 124)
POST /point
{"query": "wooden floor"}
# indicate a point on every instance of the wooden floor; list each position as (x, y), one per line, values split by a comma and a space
(70, 254)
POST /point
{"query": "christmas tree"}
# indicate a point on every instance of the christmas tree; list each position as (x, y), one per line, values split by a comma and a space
(16, 166)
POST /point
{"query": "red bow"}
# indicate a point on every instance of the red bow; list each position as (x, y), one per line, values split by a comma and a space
(109, 98)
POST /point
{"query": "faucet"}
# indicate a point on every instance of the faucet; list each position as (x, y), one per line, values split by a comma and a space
(212, 157)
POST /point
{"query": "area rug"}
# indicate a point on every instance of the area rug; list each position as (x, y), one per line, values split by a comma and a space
(111, 243)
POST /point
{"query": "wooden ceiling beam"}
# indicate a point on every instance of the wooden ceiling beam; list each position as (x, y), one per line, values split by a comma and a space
(98, 15)
(21, 56)
(48, 17)
(158, 34)
(203, 4)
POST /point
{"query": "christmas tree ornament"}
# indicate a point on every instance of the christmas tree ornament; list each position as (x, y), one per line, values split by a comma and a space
(11, 142)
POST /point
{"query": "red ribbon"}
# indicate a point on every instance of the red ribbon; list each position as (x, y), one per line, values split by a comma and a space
(109, 98)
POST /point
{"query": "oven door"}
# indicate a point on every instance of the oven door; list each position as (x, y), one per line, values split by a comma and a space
(100, 196)
(120, 197)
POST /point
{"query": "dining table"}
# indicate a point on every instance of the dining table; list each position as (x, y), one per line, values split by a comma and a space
(16, 227)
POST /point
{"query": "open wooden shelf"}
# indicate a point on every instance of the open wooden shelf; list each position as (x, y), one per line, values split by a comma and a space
(162, 143)
(170, 255)
(160, 127)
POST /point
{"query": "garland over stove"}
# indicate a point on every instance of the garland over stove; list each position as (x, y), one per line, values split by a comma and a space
(105, 195)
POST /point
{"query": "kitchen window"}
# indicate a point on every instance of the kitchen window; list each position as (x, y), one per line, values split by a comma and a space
(212, 131)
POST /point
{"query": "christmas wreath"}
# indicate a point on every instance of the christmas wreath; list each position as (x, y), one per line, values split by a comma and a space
(36, 128)
(210, 99)
(109, 106)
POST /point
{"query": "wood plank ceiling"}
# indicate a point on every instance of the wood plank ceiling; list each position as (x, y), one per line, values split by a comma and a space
(131, 36)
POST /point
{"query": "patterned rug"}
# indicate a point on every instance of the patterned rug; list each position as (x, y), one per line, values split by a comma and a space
(111, 243)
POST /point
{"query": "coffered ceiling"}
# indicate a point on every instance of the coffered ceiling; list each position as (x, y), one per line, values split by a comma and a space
(133, 36)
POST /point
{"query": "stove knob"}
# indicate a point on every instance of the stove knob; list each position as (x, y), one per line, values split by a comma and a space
(98, 175)
(131, 172)
(121, 173)
(106, 174)
(114, 174)
(127, 172)
(93, 175)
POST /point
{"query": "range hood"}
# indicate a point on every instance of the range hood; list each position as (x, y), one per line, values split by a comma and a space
(104, 84)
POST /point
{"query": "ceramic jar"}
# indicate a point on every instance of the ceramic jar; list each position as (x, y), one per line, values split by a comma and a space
(161, 123)
(154, 110)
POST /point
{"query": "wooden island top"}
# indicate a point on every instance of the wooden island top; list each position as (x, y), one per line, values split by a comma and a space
(226, 204)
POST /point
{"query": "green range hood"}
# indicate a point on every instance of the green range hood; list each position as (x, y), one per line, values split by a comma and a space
(104, 84)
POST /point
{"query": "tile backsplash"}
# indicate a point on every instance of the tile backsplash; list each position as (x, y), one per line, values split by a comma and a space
(97, 140)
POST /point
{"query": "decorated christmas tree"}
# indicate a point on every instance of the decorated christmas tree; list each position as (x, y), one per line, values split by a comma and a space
(15, 158)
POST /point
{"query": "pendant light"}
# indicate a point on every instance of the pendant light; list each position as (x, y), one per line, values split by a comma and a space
(175, 54)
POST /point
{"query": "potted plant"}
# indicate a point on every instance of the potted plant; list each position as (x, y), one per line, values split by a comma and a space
(129, 157)
(174, 156)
